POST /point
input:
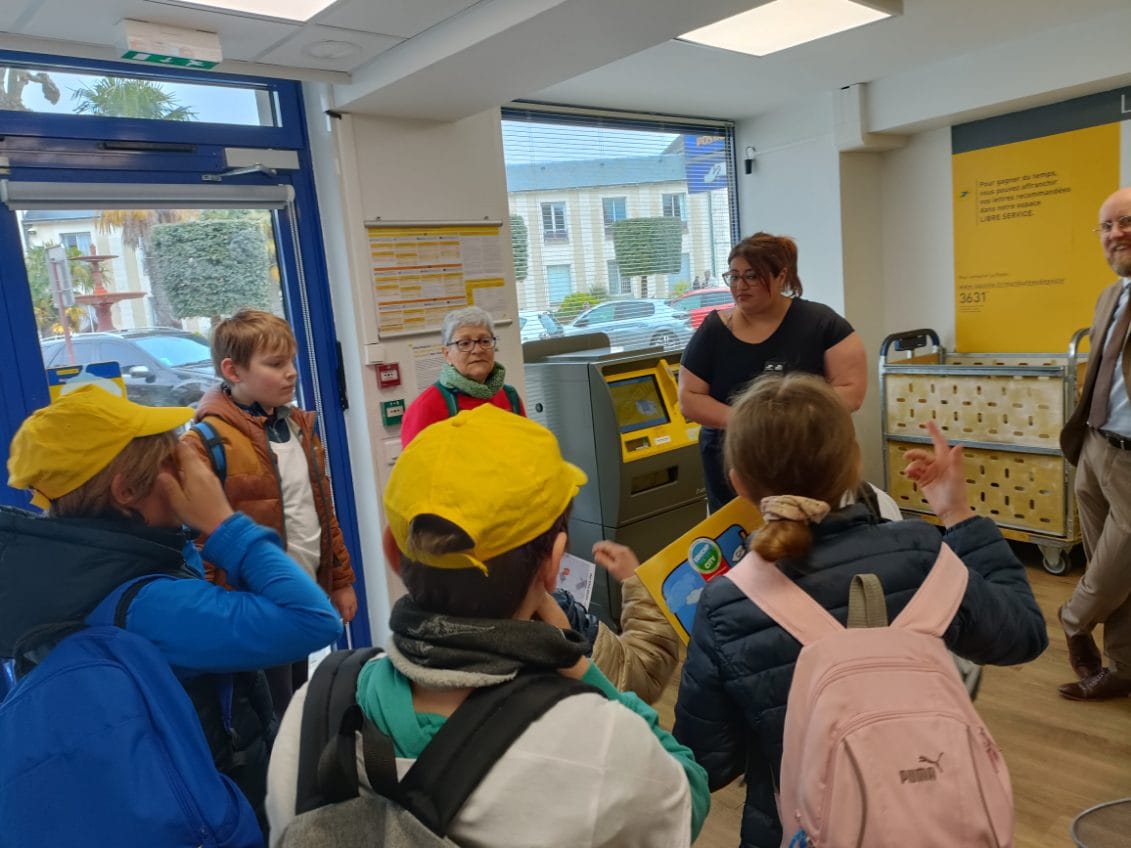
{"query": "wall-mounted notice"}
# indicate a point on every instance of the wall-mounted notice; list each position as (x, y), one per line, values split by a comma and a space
(422, 271)
(427, 361)
(1027, 189)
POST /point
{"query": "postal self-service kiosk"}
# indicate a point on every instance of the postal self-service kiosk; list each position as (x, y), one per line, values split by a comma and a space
(617, 417)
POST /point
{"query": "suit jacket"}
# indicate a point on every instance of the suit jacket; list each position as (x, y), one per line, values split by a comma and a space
(1072, 436)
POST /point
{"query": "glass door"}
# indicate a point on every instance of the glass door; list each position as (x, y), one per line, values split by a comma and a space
(138, 207)
(142, 288)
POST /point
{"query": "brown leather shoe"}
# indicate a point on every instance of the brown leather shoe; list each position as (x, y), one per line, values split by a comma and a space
(1101, 686)
(1083, 655)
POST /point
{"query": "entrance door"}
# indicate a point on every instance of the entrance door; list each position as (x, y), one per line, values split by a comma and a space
(142, 288)
(172, 199)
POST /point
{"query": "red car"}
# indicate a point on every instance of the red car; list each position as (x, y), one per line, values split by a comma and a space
(699, 302)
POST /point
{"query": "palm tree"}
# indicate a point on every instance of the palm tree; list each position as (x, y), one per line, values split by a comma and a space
(121, 97)
(13, 81)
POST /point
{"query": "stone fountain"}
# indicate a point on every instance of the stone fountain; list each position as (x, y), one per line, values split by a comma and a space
(102, 299)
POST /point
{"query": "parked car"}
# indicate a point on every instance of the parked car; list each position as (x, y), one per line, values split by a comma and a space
(634, 323)
(700, 302)
(160, 366)
(538, 325)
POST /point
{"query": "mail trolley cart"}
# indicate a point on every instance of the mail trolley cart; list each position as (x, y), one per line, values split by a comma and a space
(1007, 411)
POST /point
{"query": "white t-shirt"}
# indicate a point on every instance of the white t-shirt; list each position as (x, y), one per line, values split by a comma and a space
(304, 531)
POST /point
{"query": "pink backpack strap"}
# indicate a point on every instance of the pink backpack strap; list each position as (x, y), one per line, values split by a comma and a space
(933, 607)
(782, 599)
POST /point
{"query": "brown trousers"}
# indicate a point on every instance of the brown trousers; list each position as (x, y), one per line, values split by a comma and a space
(1103, 595)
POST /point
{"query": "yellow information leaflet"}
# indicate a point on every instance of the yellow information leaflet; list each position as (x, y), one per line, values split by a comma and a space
(677, 575)
(1027, 266)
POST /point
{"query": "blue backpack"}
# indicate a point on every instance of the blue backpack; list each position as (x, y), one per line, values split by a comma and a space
(101, 746)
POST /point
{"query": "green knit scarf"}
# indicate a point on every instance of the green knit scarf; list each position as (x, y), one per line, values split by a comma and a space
(451, 378)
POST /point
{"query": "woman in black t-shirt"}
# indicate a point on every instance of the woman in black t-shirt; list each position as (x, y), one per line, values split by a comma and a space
(771, 329)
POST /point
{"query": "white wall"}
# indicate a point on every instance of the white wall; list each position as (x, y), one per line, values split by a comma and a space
(863, 239)
(395, 170)
(918, 228)
(794, 190)
(874, 231)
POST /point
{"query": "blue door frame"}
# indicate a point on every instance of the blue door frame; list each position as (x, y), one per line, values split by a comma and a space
(35, 144)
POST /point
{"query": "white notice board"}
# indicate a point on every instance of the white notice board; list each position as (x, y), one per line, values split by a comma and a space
(420, 272)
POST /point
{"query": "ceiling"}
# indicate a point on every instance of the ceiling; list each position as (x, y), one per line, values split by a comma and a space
(447, 59)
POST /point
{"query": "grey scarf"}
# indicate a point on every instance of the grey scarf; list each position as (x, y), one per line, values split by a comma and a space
(446, 650)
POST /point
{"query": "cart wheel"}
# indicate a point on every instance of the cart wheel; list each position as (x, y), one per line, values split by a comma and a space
(1055, 560)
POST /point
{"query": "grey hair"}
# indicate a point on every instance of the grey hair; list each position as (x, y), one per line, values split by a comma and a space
(470, 316)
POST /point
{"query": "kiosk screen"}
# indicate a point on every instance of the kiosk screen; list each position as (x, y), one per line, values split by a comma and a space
(637, 403)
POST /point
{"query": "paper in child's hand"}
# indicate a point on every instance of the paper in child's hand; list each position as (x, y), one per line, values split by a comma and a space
(575, 575)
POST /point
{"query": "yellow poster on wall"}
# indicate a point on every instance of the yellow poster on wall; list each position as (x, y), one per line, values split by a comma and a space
(1027, 265)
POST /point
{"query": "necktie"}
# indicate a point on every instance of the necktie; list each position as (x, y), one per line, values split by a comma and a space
(1097, 413)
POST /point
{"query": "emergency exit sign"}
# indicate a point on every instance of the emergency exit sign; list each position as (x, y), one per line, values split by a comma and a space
(172, 61)
(172, 46)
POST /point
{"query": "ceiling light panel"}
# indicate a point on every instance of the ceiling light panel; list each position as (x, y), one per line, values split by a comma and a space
(784, 23)
(291, 10)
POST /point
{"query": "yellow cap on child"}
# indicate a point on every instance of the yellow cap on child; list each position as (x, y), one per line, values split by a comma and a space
(62, 446)
(496, 475)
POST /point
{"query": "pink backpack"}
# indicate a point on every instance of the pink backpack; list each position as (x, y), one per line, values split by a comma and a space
(882, 744)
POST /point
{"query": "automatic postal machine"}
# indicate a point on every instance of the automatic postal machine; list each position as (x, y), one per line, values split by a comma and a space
(617, 417)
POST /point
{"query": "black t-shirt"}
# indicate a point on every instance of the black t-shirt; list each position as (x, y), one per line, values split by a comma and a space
(799, 343)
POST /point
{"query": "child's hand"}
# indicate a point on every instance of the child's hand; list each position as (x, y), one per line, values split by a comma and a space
(619, 560)
(194, 492)
(549, 612)
(345, 602)
(939, 474)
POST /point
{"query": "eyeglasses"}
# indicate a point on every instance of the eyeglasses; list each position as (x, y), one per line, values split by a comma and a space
(468, 345)
(1105, 227)
(733, 278)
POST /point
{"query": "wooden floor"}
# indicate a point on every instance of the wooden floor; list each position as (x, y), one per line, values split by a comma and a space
(1064, 756)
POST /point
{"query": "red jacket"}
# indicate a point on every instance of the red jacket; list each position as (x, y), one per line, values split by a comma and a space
(430, 407)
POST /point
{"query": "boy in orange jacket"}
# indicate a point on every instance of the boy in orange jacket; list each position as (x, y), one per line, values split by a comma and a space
(274, 464)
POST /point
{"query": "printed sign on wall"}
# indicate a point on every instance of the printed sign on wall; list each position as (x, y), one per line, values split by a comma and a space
(1027, 189)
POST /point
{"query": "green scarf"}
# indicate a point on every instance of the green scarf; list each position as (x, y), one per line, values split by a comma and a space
(451, 378)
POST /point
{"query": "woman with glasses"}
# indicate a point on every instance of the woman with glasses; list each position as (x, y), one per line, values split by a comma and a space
(770, 330)
(470, 378)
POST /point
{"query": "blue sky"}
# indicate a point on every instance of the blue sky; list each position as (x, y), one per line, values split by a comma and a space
(216, 104)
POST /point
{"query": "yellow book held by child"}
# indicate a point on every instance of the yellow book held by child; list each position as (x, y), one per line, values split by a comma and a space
(676, 576)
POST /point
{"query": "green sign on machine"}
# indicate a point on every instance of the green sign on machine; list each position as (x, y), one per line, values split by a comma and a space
(171, 61)
(392, 411)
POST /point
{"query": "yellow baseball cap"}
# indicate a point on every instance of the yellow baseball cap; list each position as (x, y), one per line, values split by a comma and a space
(62, 446)
(496, 475)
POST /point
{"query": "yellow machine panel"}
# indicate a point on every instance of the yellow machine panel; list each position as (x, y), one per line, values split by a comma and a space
(646, 404)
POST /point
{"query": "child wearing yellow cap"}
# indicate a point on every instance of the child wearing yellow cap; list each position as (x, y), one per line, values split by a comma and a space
(119, 491)
(477, 507)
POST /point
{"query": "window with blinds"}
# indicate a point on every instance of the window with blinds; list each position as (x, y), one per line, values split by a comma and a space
(618, 209)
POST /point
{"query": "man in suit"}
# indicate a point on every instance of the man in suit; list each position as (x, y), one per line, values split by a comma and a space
(1097, 440)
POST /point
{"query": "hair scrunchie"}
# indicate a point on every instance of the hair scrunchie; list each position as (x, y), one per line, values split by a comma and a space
(793, 508)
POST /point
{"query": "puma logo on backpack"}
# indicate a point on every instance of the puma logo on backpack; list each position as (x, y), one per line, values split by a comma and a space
(873, 715)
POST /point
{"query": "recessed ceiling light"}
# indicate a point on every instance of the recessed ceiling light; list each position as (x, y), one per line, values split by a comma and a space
(786, 23)
(292, 10)
(331, 49)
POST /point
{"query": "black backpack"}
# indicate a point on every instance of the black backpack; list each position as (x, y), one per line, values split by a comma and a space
(415, 812)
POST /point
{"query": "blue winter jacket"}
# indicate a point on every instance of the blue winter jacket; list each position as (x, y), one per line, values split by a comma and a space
(56, 570)
(731, 705)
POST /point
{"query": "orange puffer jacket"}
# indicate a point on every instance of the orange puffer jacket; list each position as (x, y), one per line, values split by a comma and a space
(253, 486)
